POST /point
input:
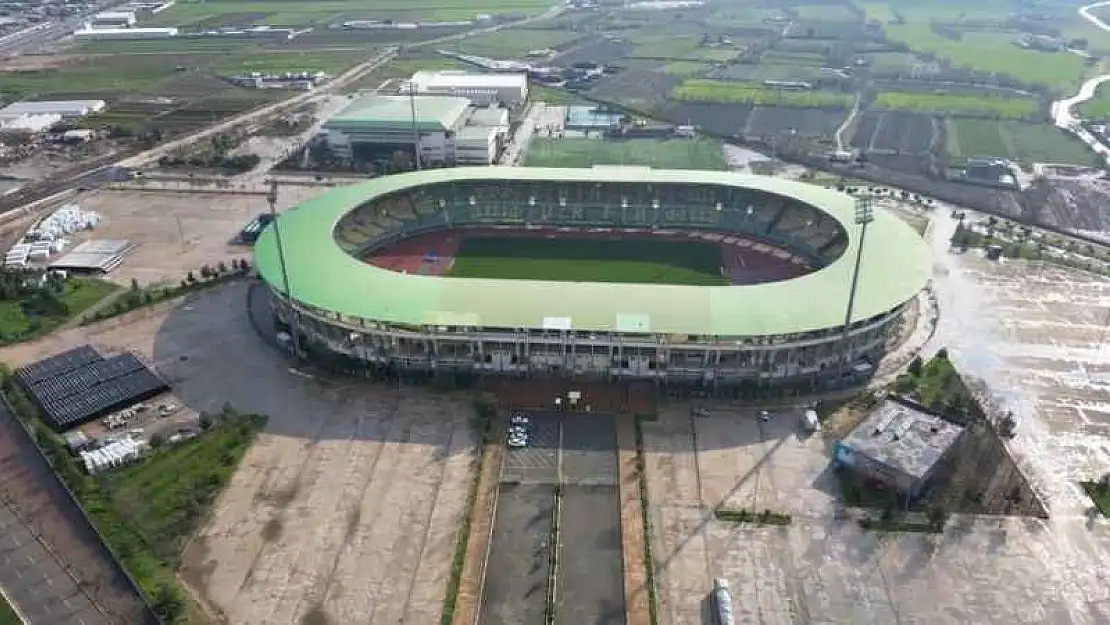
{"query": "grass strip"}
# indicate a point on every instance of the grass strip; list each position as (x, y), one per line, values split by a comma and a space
(740, 515)
(553, 561)
(1099, 494)
(484, 428)
(649, 559)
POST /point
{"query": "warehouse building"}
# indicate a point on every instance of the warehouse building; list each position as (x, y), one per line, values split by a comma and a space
(113, 19)
(899, 445)
(508, 89)
(115, 34)
(67, 109)
(376, 127)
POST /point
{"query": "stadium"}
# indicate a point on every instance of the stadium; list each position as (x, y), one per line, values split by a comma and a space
(682, 277)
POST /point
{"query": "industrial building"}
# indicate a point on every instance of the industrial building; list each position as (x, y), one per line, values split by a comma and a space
(113, 34)
(67, 109)
(449, 130)
(899, 445)
(112, 19)
(30, 124)
(507, 89)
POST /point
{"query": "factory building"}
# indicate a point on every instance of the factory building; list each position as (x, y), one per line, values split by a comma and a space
(508, 89)
(115, 34)
(67, 109)
(375, 127)
(108, 20)
(899, 445)
(450, 131)
(29, 124)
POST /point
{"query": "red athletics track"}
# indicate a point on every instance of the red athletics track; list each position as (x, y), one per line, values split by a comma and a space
(744, 260)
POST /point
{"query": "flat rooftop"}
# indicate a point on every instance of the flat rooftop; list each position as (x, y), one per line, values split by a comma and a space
(395, 113)
(433, 79)
(904, 438)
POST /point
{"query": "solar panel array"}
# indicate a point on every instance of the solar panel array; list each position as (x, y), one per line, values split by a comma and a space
(80, 385)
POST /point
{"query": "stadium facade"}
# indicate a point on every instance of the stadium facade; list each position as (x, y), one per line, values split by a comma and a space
(768, 333)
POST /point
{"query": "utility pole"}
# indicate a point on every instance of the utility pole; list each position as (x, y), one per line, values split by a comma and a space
(865, 214)
(415, 129)
(271, 199)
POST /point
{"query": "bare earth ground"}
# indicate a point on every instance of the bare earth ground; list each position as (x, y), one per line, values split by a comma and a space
(347, 508)
(174, 233)
(1034, 338)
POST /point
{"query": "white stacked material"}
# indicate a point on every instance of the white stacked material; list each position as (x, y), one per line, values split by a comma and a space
(115, 454)
(17, 256)
(95, 255)
(64, 221)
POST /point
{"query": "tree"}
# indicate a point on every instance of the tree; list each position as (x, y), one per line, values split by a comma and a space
(167, 602)
(221, 268)
(915, 367)
(942, 353)
(190, 278)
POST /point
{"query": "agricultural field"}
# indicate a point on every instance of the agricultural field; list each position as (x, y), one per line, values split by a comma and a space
(1020, 141)
(685, 68)
(767, 71)
(641, 90)
(515, 43)
(770, 122)
(1000, 107)
(1097, 107)
(908, 133)
(637, 261)
(703, 154)
(741, 93)
(983, 50)
(725, 119)
(787, 57)
(31, 314)
(826, 13)
(891, 64)
(326, 12)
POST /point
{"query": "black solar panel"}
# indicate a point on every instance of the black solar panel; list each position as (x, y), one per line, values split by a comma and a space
(99, 387)
(57, 365)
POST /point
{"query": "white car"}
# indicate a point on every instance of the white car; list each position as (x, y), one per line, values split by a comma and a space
(518, 441)
(519, 418)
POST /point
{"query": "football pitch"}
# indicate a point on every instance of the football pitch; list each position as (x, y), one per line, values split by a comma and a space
(703, 154)
(638, 261)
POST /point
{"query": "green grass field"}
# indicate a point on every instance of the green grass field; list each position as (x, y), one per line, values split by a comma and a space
(590, 260)
(7, 614)
(1001, 107)
(741, 93)
(78, 295)
(1020, 141)
(324, 12)
(656, 153)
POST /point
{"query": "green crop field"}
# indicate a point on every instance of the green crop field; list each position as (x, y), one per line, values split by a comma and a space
(741, 93)
(1099, 106)
(980, 41)
(1002, 107)
(638, 261)
(514, 42)
(7, 614)
(199, 14)
(1020, 141)
(705, 154)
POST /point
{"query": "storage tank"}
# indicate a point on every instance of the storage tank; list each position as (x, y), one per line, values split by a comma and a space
(723, 602)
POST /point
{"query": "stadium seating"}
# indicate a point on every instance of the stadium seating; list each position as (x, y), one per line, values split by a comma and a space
(742, 211)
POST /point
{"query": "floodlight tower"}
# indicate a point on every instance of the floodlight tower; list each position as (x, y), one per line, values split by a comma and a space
(271, 199)
(865, 214)
(415, 129)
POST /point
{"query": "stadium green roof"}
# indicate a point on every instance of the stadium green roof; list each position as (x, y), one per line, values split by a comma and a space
(895, 267)
(394, 113)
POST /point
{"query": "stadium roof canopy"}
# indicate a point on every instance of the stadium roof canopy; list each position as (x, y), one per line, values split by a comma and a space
(895, 267)
(394, 113)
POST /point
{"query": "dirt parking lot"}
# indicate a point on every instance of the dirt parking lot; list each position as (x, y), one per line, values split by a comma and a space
(174, 233)
(1034, 337)
(347, 508)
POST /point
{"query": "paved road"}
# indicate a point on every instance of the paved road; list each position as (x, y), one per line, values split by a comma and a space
(1062, 114)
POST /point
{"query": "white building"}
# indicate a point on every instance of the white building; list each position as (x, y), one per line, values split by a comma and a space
(111, 34)
(480, 141)
(509, 89)
(30, 123)
(67, 109)
(113, 19)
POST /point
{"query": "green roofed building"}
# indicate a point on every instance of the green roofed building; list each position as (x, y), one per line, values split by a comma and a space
(775, 313)
(377, 127)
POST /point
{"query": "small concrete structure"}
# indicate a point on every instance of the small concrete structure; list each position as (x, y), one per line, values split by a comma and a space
(900, 444)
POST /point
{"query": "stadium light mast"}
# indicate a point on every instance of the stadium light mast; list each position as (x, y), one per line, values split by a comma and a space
(415, 129)
(865, 214)
(271, 199)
